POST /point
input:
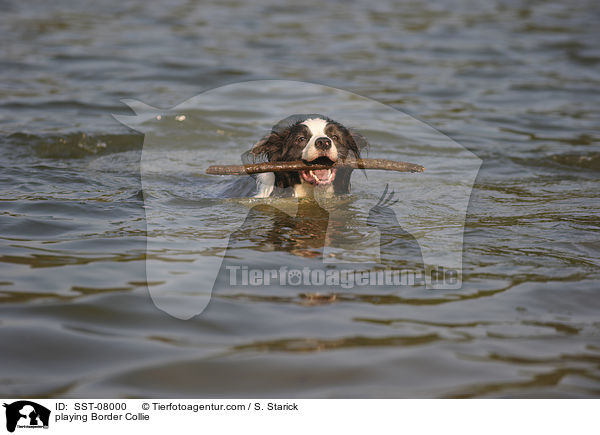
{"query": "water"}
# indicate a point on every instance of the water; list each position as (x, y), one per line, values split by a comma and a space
(514, 82)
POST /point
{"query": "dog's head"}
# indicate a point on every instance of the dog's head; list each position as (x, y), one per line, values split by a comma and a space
(313, 139)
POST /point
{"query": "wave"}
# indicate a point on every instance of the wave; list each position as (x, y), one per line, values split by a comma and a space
(75, 145)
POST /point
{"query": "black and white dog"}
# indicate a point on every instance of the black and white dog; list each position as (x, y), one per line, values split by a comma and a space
(313, 139)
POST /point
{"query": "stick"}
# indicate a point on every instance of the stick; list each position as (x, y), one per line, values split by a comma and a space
(257, 168)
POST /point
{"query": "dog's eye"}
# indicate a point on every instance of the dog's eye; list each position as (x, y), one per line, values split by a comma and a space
(299, 139)
(335, 137)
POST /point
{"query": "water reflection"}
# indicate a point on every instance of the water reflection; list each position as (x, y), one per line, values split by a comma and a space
(291, 250)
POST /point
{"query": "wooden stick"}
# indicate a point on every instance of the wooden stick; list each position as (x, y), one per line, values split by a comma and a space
(257, 168)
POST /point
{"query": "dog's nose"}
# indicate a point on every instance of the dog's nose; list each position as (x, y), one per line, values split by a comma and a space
(323, 143)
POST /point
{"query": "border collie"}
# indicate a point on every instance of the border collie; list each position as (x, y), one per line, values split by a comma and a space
(313, 139)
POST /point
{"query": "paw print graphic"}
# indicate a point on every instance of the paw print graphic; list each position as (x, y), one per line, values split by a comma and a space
(294, 277)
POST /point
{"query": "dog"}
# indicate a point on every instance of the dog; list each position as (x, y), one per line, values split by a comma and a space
(314, 139)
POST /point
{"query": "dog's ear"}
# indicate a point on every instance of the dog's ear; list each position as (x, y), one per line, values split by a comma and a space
(262, 147)
(357, 143)
(268, 146)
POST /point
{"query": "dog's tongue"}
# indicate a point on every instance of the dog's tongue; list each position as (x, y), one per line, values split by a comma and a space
(321, 174)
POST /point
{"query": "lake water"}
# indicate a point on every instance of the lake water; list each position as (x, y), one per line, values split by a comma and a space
(104, 227)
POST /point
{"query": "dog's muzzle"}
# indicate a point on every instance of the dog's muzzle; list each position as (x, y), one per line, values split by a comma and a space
(319, 177)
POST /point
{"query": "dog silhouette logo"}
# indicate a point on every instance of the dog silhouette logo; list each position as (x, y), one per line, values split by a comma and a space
(200, 230)
(26, 414)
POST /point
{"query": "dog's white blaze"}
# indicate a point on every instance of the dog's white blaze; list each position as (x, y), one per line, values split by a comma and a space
(316, 126)
(265, 183)
(317, 129)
